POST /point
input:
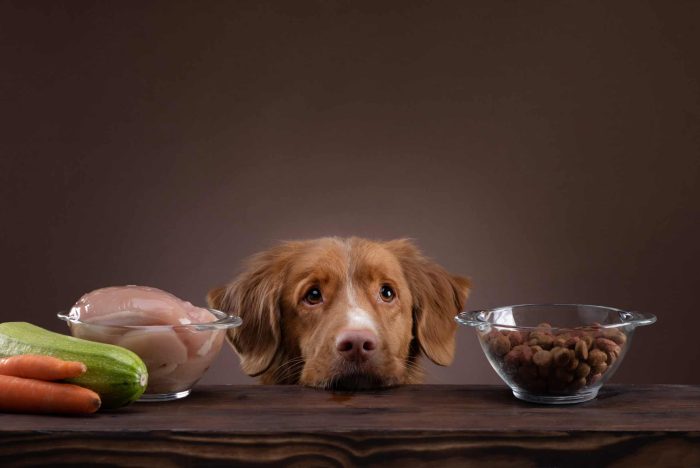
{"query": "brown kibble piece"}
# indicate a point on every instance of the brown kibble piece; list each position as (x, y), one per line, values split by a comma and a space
(588, 339)
(515, 337)
(573, 364)
(512, 359)
(561, 357)
(526, 354)
(596, 330)
(578, 383)
(620, 338)
(541, 339)
(615, 335)
(490, 336)
(546, 341)
(582, 370)
(607, 345)
(597, 356)
(500, 345)
(542, 358)
(581, 350)
(519, 355)
(559, 342)
(600, 368)
(571, 342)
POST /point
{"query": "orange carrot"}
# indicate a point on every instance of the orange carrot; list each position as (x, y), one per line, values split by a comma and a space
(37, 366)
(18, 395)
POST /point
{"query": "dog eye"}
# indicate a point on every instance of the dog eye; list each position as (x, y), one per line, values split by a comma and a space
(313, 296)
(387, 294)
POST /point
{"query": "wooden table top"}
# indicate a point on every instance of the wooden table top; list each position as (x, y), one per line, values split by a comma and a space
(222, 424)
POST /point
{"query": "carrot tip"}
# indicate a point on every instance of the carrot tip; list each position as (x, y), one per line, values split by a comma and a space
(96, 403)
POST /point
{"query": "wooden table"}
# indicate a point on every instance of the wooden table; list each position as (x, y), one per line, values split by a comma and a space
(407, 426)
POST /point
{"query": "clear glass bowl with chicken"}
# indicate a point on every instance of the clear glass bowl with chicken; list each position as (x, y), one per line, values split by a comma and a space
(176, 340)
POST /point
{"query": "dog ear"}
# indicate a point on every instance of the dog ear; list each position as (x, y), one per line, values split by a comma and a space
(437, 297)
(216, 298)
(254, 296)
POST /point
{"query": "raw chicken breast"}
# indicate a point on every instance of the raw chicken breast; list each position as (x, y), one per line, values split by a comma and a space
(155, 325)
(137, 305)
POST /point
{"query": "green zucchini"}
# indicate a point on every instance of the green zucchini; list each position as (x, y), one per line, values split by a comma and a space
(118, 375)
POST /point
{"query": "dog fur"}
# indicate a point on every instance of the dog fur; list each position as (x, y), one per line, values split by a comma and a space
(288, 338)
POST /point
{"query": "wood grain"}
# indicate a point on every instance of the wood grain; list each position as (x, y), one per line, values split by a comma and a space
(416, 425)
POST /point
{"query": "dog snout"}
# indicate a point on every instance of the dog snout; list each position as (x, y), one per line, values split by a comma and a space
(356, 345)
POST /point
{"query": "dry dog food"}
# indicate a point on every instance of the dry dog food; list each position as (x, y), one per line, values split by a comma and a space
(555, 362)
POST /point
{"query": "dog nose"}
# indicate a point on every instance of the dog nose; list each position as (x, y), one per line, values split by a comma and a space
(356, 345)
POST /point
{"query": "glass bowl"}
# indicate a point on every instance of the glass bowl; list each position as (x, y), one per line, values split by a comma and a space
(555, 353)
(176, 355)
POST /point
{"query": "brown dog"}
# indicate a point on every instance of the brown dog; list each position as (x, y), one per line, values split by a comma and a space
(342, 313)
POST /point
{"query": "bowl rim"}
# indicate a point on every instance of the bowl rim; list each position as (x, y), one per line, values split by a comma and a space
(224, 321)
(475, 318)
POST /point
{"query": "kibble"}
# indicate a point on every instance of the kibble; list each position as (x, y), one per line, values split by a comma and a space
(578, 384)
(542, 358)
(615, 335)
(582, 370)
(541, 339)
(518, 355)
(581, 349)
(559, 342)
(573, 364)
(543, 361)
(600, 368)
(500, 345)
(515, 337)
(561, 357)
(607, 345)
(596, 357)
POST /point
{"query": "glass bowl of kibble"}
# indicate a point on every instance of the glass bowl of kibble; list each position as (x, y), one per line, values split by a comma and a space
(555, 353)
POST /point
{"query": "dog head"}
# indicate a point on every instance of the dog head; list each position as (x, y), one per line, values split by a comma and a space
(342, 313)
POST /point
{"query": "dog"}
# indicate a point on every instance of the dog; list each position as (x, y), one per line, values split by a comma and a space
(342, 313)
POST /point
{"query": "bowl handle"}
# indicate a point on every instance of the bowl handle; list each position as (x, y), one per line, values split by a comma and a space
(225, 321)
(474, 318)
(638, 319)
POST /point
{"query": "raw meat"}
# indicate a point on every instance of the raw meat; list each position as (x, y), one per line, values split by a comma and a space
(154, 324)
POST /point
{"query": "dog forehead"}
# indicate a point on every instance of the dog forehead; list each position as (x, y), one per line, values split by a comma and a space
(371, 260)
(324, 259)
(341, 260)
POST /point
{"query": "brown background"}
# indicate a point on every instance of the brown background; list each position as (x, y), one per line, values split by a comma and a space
(550, 150)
